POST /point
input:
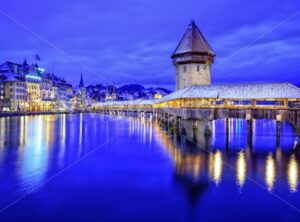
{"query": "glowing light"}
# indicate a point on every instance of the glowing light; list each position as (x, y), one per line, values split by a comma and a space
(270, 172)
(293, 174)
(157, 96)
(34, 156)
(216, 167)
(33, 77)
(211, 165)
(41, 69)
(196, 167)
(62, 138)
(2, 131)
(22, 130)
(241, 169)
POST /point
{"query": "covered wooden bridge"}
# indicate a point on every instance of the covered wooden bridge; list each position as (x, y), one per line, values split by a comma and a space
(279, 101)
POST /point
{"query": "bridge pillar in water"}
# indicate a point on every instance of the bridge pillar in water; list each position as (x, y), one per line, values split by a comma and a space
(195, 130)
(165, 118)
(249, 124)
(207, 130)
(227, 132)
(249, 120)
(278, 128)
(174, 122)
(183, 127)
(278, 124)
(179, 122)
(158, 114)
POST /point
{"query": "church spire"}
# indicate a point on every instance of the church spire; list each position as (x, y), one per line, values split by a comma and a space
(81, 84)
(25, 63)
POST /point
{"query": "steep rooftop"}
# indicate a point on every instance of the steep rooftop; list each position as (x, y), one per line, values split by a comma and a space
(193, 41)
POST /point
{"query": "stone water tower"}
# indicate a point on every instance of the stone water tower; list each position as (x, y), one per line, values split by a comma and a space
(192, 59)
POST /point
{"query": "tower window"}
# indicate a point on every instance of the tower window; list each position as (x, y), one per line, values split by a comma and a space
(184, 68)
(198, 68)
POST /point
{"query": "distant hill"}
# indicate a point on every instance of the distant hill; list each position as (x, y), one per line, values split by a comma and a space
(126, 92)
(131, 88)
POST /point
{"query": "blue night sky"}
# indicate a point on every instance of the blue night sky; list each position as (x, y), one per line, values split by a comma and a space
(131, 41)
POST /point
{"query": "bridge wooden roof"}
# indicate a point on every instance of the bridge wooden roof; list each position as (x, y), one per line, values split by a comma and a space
(130, 102)
(238, 91)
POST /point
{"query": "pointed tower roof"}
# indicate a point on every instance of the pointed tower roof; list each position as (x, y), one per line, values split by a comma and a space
(107, 89)
(25, 63)
(81, 84)
(193, 41)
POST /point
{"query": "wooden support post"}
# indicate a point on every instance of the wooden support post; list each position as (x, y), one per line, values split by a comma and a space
(208, 131)
(278, 127)
(250, 127)
(278, 124)
(254, 103)
(285, 102)
(226, 103)
(227, 125)
(179, 122)
(227, 133)
(174, 123)
(195, 130)
(183, 131)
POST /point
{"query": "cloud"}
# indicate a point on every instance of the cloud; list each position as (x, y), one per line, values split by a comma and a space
(131, 41)
(265, 59)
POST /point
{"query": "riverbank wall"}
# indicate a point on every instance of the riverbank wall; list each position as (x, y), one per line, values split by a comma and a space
(12, 114)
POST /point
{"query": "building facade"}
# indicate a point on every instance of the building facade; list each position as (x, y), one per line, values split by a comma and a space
(29, 88)
(81, 99)
(110, 94)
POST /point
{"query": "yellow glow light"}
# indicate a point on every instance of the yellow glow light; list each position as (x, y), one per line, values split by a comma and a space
(218, 167)
(270, 172)
(293, 174)
(241, 169)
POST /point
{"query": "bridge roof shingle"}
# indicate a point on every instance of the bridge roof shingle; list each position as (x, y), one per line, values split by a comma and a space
(238, 91)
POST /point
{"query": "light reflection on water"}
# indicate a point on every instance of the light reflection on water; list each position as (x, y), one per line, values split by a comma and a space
(247, 158)
(217, 162)
(36, 137)
(293, 174)
(33, 148)
(241, 169)
(270, 172)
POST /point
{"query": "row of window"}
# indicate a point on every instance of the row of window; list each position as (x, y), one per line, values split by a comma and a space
(20, 90)
(19, 97)
(197, 68)
(34, 87)
(21, 84)
(46, 88)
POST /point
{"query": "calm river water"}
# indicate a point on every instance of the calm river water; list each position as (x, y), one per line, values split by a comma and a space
(90, 167)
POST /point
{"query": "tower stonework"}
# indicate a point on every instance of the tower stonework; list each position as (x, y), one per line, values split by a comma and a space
(192, 59)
